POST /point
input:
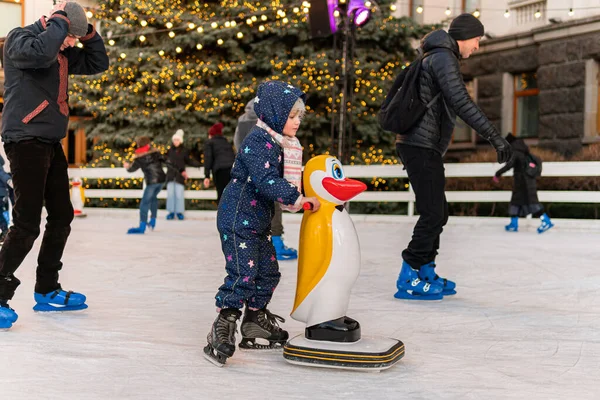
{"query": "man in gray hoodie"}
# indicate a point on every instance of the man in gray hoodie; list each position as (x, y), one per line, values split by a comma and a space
(245, 124)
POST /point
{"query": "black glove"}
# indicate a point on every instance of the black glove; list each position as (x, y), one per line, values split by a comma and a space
(502, 148)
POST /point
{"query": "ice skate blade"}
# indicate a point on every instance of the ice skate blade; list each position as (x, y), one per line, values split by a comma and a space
(286, 258)
(44, 307)
(370, 353)
(545, 229)
(405, 295)
(250, 344)
(449, 292)
(208, 354)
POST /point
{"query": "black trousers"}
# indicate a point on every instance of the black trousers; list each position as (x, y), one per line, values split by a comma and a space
(277, 221)
(40, 178)
(222, 178)
(425, 169)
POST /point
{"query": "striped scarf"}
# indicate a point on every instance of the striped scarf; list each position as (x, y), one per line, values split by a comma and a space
(292, 160)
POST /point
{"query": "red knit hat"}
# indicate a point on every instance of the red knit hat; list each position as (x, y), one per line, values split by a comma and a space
(216, 130)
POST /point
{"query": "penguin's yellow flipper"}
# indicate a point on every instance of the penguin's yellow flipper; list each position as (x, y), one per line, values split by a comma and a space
(315, 251)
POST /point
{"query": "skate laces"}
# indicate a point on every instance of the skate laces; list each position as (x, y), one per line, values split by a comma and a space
(271, 319)
(223, 327)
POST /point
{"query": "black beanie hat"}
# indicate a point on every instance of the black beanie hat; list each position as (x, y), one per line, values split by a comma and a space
(465, 27)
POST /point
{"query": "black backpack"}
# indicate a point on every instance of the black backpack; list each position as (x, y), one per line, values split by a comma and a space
(403, 108)
(533, 166)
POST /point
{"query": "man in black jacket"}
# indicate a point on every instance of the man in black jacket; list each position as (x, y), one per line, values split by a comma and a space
(421, 150)
(37, 62)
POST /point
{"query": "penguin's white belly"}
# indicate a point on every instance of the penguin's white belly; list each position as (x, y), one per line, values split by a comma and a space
(329, 298)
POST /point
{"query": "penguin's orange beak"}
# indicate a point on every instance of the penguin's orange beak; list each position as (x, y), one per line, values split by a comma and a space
(343, 190)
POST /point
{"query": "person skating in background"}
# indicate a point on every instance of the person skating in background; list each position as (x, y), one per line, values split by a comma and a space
(268, 169)
(151, 161)
(218, 159)
(178, 156)
(246, 122)
(524, 200)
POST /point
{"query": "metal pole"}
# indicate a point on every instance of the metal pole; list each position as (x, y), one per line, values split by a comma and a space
(351, 92)
(342, 128)
(333, 93)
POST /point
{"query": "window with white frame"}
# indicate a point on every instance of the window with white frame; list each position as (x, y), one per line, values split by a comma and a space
(591, 124)
(463, 135)
(528, 12)
(526, 105)
(11, 16)
(470, 5)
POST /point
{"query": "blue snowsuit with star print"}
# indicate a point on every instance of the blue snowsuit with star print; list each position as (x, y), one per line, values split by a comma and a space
(247, 204)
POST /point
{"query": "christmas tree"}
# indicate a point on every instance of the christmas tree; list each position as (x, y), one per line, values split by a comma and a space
(189, 64)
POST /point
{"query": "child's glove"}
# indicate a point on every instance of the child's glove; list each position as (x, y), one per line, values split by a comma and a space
(496, 179)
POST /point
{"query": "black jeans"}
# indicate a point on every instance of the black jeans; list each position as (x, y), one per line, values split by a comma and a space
(277, 221)
(40, 178)
(222, 178)
(425, 169)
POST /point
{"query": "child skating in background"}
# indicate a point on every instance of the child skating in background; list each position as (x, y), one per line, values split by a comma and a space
(151, 161)
(179, 157)
(270, 153)
(524, 200)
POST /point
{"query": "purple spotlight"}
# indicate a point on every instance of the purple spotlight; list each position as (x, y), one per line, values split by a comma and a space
(356, 10)
(361, 16)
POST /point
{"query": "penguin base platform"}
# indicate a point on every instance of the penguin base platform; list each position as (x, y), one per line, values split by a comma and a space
(370, 353)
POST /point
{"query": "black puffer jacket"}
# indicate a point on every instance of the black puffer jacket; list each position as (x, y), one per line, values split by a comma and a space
(524, 191)
(441, 72)
(218, 154)
(151, 164)
(36, 83)
(179, 157)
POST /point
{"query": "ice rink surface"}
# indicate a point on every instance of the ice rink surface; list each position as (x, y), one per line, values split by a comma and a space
(525, 323)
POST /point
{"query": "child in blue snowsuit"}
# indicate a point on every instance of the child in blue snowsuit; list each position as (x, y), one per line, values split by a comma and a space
(244, 220)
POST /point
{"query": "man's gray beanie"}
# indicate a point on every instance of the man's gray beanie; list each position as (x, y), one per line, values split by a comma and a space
(79, 22)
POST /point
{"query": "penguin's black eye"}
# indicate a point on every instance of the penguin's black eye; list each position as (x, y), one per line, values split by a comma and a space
(337, 171)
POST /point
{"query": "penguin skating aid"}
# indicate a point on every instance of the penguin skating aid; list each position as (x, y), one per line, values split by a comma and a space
(328, 266)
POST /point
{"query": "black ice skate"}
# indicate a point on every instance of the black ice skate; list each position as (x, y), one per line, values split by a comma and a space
(260, 330)
(221, 338)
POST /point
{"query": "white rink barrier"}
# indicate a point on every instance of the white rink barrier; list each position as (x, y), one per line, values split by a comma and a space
(459, 170)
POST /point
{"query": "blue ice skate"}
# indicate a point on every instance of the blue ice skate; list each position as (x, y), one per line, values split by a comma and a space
(139, 230)
(427, 274)
(152, 223)
(282, 251)
(59, 300)
(546, 223)
(180, 216)
(170, 216)
(8, 316)
(410, 287)
(513, 226)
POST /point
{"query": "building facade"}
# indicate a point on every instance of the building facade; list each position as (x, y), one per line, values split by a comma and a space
(536, 73)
